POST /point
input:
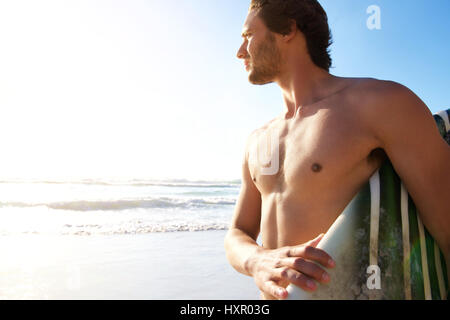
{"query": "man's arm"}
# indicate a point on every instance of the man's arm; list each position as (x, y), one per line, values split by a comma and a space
(240, 241)
(406, 130)
(269, 268)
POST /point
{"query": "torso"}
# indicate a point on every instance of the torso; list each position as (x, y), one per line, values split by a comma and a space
(325, 156)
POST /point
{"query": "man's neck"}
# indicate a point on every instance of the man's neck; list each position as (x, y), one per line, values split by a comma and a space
(303, 84)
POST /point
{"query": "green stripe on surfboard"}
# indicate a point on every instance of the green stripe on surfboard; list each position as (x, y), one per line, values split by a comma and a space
(390, 249)
(435, 294)
(444, 269)
(362, 236)
(417, 288)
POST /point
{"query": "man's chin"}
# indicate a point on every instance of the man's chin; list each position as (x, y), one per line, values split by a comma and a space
(258, 81)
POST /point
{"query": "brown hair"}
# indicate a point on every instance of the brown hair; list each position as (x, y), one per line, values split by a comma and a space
(310, 18)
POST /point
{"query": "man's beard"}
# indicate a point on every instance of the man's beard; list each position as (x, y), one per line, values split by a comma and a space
(265, 64)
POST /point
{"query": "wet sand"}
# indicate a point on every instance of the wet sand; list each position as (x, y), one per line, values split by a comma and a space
(172, 265)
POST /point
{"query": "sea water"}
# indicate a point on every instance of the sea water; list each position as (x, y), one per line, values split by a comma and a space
(101, 207)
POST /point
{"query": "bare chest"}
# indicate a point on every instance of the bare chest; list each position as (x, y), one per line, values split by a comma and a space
(305, 155)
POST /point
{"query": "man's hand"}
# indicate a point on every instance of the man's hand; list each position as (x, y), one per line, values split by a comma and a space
(273, 270)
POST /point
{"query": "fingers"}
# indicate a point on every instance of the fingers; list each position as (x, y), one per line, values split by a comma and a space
(274, 290)
(315, 242)
(313, 254)
(308, 268)
(299, 265)
(299, 279)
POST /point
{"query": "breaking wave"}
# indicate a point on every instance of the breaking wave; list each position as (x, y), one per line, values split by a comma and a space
(123, 204)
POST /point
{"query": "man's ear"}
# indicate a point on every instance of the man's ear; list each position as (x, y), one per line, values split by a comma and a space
(292, 31)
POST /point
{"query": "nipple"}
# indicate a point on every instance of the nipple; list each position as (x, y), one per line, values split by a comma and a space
(316, 167)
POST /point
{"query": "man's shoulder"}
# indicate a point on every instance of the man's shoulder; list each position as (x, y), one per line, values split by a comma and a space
(262, 129)
(384, 105)
(376, 99)
(256, 134)
(373, 90)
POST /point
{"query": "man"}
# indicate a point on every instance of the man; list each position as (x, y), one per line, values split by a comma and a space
(332, 135)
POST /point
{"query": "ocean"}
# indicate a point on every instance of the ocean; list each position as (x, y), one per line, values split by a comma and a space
(101, 207)
(98, 239)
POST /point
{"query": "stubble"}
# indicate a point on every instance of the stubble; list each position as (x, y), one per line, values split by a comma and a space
(266, 62)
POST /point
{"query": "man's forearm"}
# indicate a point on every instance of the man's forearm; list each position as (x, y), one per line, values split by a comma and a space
(241, 250)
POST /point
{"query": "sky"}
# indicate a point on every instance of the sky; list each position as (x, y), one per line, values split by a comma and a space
(153, 89)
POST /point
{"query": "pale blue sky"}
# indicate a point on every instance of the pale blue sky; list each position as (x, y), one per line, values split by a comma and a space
(153, 89)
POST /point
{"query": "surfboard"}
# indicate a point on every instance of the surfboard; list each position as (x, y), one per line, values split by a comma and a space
(381, 247)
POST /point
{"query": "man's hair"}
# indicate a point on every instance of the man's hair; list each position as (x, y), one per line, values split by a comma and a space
(310, 18)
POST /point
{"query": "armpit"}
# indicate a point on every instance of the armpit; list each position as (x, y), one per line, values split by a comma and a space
(376, 156)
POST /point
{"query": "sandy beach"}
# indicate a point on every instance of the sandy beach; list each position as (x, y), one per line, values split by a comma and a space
(168, 265)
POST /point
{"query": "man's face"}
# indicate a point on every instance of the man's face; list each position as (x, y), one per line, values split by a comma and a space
(259, 51)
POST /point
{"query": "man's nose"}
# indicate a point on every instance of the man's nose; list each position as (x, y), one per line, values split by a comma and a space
(242, 52)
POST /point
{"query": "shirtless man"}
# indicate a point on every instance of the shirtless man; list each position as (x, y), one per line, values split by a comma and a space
(333, 134)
